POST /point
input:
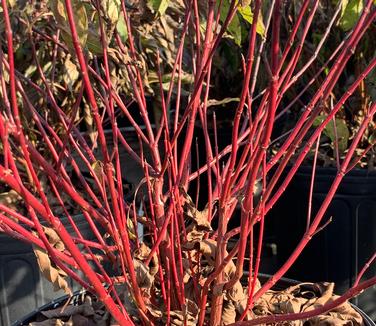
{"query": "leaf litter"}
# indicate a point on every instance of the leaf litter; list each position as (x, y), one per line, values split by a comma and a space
(199, 252)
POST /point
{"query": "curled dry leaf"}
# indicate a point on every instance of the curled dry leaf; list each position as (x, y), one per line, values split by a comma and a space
(207, 248)
(144, 279)
(199, 217)
(10, 199)
(142, 253)
(53, 238)
(187, 317)
(51, 272)
(306, 297)
(199, 224)
(89, 122)
(238, 296)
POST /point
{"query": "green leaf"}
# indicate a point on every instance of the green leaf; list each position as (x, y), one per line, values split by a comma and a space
(351, 11)
(121, 28)
(158, 6)
(234, 28)
(343, 7)
(343, 133)
(93, 43)
(12, 3)
(113, 17)
(247, 14)
(112, 11)
(80, 19)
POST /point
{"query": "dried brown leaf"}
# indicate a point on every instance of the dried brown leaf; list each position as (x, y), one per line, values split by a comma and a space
(84, 309)
(306, 297)
(142, 253)
(10, 199)
(71, 73)
(199, 217)
(228, 313)
(53, 274)
(89, 121)
(144, 279)
(179, 318)
(53, 238)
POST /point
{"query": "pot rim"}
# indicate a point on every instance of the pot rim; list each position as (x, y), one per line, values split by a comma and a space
(55, 303)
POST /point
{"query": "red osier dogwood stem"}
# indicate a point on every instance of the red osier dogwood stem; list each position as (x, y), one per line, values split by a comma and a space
(164, 153)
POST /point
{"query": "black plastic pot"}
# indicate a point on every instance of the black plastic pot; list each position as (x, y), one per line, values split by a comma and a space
(48, 306)
(281, 284)
(340, 250)
(22, 287)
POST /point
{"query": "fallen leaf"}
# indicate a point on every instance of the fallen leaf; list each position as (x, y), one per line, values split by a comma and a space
(84, 309)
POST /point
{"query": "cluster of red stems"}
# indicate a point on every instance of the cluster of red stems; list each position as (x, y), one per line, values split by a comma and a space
(231, 174)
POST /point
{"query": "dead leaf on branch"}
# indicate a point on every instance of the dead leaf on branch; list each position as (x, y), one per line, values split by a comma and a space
(71, 73)
(10, 199)
(144, 278)
(206, 247)
(142, 253)
(53, 274)
(199, 224)
(199, 217)
(53, 238)
(50, 271)
(89, 122)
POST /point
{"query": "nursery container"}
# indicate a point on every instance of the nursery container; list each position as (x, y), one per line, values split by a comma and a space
(340, 250)
(281, 284)
(30, 316)
(22, 286)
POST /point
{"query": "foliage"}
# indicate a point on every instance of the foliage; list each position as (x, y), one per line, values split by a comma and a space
(350, 14)
(347, 121)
